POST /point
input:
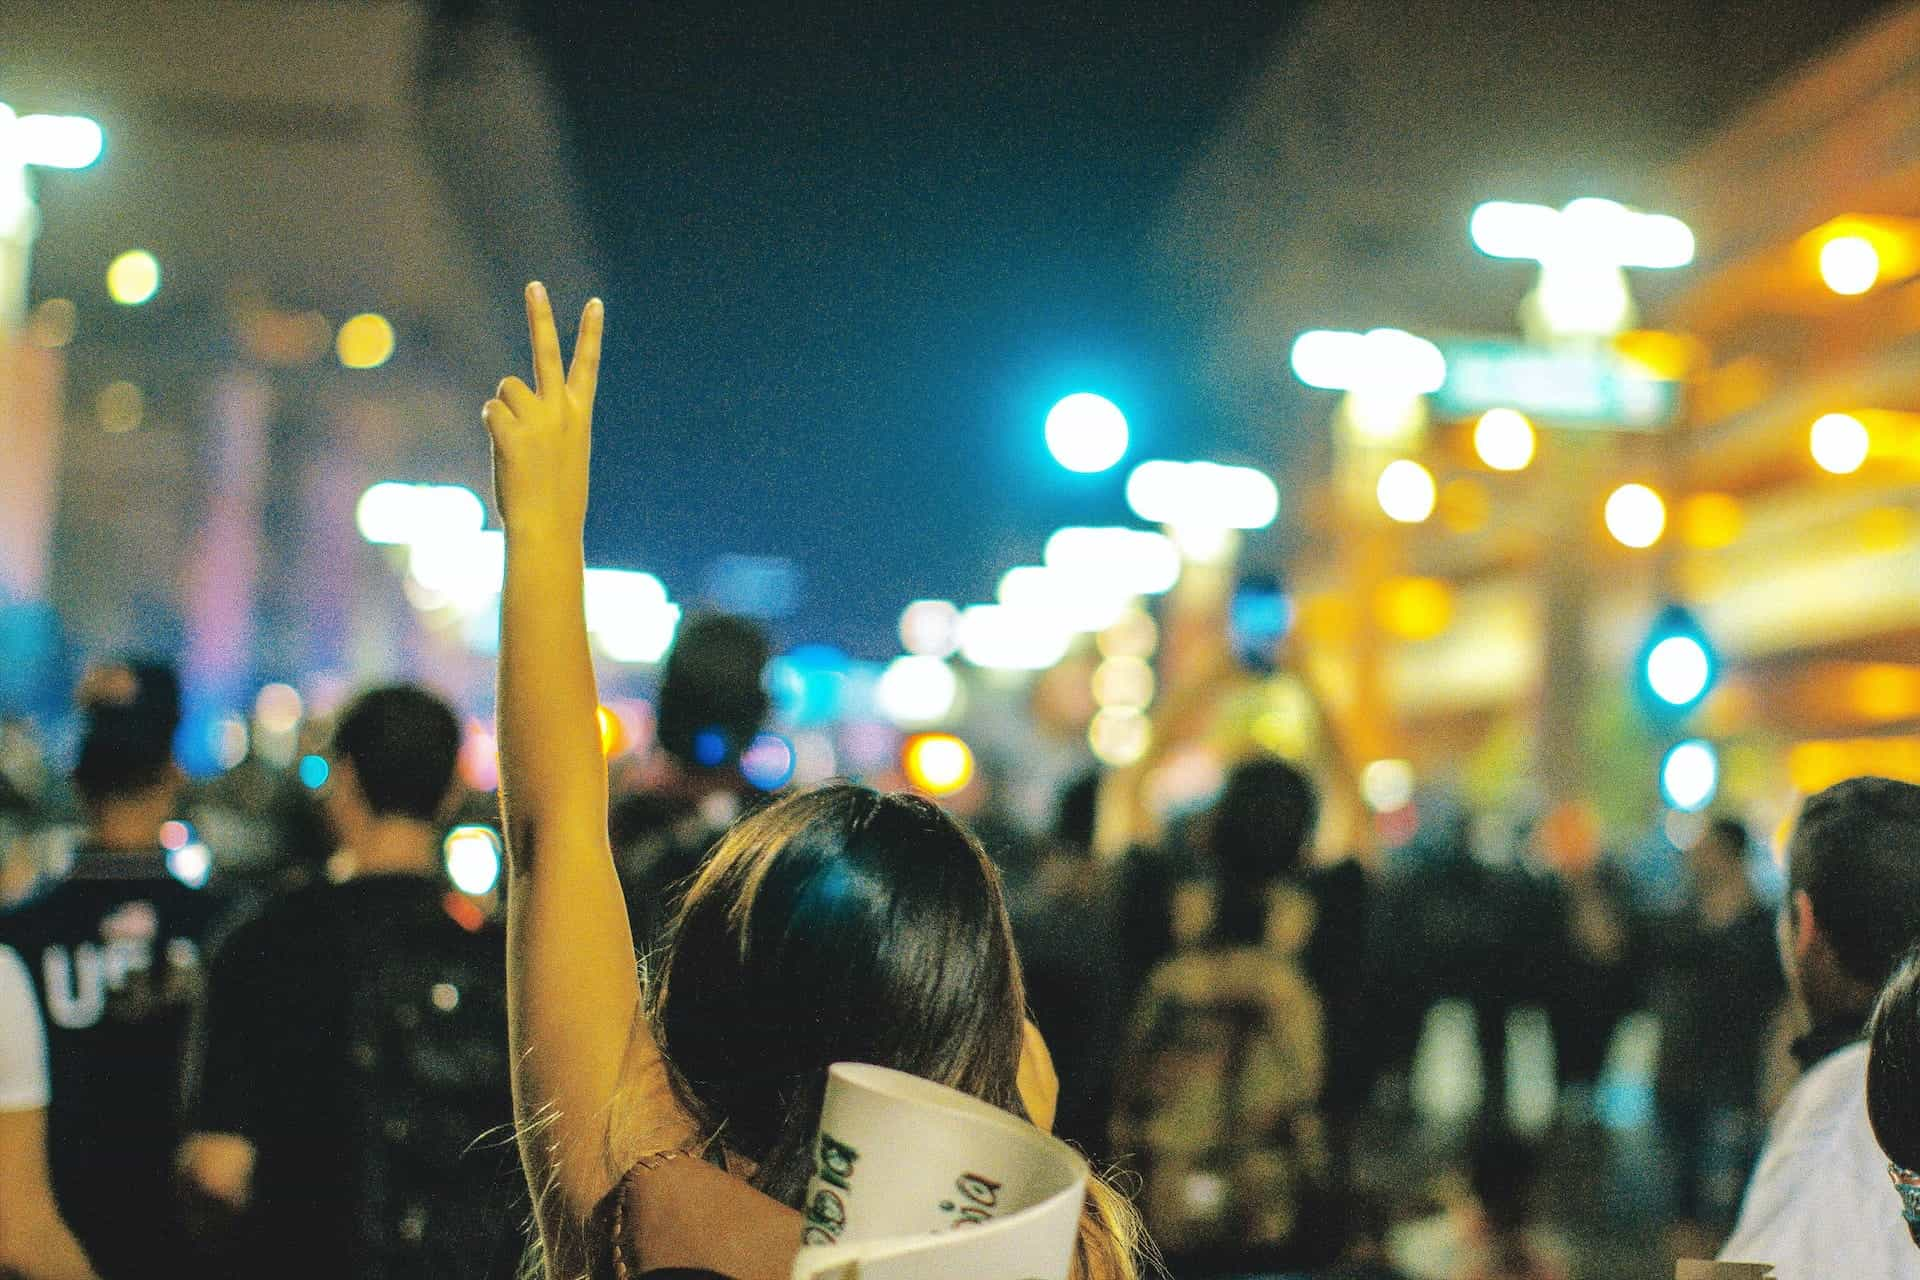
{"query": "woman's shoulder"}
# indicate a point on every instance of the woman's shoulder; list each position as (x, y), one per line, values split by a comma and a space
(675, 1215)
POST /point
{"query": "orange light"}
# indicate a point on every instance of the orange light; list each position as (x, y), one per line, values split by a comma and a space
(938, 763)
(611, 735)
(1709, 521)
(1414, 608)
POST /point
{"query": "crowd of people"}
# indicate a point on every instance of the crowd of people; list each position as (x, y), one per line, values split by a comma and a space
(614, 1066)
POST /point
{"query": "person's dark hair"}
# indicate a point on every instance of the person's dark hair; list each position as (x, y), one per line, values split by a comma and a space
(123, 751)
(1731, 834)
(836, 925)
(712, 700)
(404, 744)
(1261, 826)
(1856, 855)
(1893, 1067)
(1075, 813)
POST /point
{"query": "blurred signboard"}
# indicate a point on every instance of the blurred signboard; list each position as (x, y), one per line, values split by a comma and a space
(1571, 388)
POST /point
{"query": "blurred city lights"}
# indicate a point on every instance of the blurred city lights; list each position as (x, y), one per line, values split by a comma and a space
(1598, 230)
(1378, 361)
(629, 615)
(230, 741)
(314, 772)
(930, 628)
(479, 757)
(1690, 775)
(768, 762)
(133, 278)
(1134, 635)
(610, 734)
(174, 834)
(1406, 491)
(1123, 682)
(1709, 521)
(1132, 562)
(1839, 443)
(1463, 504)
(1635, 516)
(1001, 638)
(917, 690)
(119, 407)
(1086, 433)
(1203, 495)
(1504, 440)
(365, 342)
(472, 855)
(1204, 543)
(57, 142)
(1387, 785)
(1679, 670)
(937, 763)
(191, 864)
(1414, 608)
(1120, 736)
(53, 323)
(1849, 265)
(464, 570)
(399, 514)
(277, 708)
(1077, 603)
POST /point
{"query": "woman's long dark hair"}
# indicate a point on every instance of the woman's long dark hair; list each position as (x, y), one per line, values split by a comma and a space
(1893, 1069)
(842, 924)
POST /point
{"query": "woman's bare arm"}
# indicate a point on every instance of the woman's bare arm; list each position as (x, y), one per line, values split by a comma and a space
(574, 996)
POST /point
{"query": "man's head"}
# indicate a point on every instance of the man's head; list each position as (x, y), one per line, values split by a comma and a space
(712, 701)
(1853, 893)
(125, 775)
(393, 756)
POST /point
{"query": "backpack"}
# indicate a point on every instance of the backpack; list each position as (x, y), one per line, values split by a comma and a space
(1220, 1102)
(430, 1107)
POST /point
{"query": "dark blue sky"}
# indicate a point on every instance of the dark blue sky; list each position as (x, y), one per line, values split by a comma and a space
(855, 252)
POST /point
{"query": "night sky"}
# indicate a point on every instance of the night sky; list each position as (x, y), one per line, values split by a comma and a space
(852, 257)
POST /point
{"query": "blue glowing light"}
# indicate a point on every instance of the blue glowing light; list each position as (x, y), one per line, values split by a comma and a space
(769, 762)
(709, 748)
(314, 771)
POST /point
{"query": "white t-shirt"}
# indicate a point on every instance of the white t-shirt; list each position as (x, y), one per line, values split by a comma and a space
(1821, 1205)
(23, 1041)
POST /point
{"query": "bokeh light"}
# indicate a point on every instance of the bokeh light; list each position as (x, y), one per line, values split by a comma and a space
(1086, 433)
(1708, 521)
(133, 278)
(1839, 443)
(365, 342)
(1406, 491)
(1001, 638)
(930, 628)
(768, 762)
(1123, 682)
(58, 142)
(1504, 439)
(277, 708)
(314, 772)
(937, 763)
(1849, 264)
(191, 864)
(1133, 635)
(1690, 775)
(53, 323)
(174, 834)
(1202, 495)
(1120, 736)
(472, 855)
(1414, 608)
(917, 690)
(1635, 516)
(1678, 670)
(119, 408)
(1387, 785)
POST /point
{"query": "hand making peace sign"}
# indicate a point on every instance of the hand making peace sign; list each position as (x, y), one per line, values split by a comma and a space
(542, 436)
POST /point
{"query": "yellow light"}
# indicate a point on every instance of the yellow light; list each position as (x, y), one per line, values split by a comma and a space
(1120, 736)
(52, 323)
(1886, 529)
(119, 407)
(1839, 443)
(1504, 440)
(1133, 636)
(133, 278)
(1123, 682)
(1885, 691)
(1463, 505)
(1414, 608)
(1709, 521)
(1849, 264)
(610, 733)
(365, 342)
(938, 763)
(1406, 491)
(1635, 516)
(1670, 356)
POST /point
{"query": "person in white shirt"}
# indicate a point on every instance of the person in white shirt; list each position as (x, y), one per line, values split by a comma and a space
(34, 1240)
(1818, 1205)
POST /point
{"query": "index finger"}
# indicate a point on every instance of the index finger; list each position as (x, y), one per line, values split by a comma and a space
(584, 376)
(548, 373)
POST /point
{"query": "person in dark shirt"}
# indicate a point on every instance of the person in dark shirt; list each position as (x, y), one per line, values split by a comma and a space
(114, 950)
(352, 1061)
(1719, 985)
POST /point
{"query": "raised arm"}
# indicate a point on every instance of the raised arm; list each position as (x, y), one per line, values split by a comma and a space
(574, 996)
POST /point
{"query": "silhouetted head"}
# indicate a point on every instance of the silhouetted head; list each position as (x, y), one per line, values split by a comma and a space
(1893, 1080)
(1853, 892)
(131, 711)
(1261, 827)
(394, 753)
(712, 701)
(836, 925)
